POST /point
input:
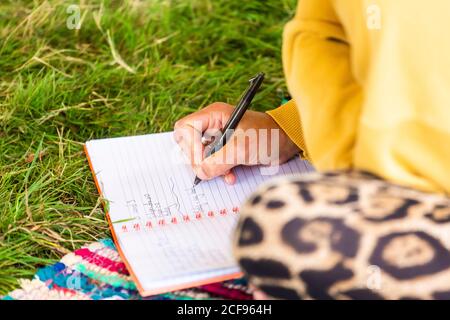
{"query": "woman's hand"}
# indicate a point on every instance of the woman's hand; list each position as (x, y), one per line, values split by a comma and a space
(257, 140)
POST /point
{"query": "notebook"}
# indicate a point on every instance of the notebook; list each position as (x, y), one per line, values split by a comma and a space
(170, 235)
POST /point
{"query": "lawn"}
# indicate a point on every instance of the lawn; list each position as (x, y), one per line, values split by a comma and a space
(132, 67)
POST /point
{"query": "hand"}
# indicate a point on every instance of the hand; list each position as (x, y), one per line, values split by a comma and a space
(250, 144)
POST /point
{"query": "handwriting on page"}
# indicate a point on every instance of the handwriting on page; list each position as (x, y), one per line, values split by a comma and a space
(151, 184)
(153, 208)
(198, 200)
(145, 186)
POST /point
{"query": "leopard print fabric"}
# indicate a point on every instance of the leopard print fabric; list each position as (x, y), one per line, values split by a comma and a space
(345, 235)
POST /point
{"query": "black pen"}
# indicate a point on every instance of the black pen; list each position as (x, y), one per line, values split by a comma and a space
(235, 117)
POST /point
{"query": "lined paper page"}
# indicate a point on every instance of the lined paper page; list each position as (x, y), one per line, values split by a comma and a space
(146, 179)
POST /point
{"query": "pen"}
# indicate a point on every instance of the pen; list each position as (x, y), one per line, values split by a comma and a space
(235, 117)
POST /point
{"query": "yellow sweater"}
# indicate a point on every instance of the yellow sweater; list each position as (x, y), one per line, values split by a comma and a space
(371, 85)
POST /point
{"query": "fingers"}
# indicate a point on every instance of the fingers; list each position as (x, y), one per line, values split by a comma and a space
(206, 123)
(189, 130)
(190, 141)
(213, 116)
(217, 164)
(198, 120)
(230, 178)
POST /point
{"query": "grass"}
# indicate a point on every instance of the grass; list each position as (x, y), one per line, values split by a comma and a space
(133, 67)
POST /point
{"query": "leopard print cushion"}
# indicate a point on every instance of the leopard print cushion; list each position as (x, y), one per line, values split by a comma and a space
(345, 235)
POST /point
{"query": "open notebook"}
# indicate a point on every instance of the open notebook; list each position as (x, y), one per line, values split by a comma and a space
(170, 235)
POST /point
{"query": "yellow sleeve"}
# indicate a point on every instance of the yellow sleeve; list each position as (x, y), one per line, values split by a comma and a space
(316, 61)
(288, 118)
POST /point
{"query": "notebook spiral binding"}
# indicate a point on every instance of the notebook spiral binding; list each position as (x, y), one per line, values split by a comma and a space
(152, 223)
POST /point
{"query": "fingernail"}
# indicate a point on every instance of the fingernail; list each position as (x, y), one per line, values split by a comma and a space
(229, 179)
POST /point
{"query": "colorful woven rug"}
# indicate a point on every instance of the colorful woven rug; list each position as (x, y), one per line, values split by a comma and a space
(96, 272)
